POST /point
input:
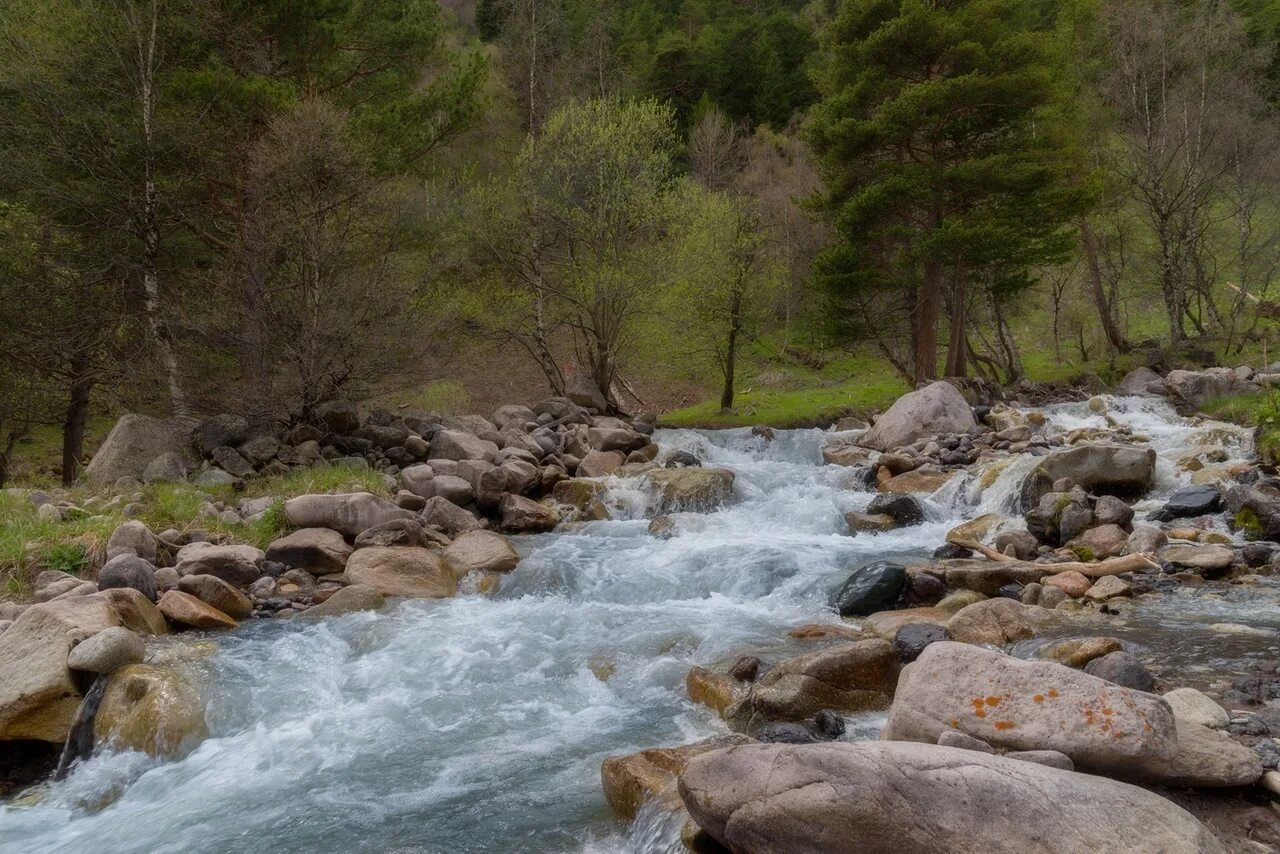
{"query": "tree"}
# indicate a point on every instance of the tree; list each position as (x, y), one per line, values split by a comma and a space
(728, 274)
(941, 174)
(585, 245)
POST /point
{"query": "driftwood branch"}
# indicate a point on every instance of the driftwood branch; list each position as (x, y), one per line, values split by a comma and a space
(1139, 562)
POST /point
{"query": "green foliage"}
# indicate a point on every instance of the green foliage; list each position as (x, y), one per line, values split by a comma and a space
(446, 396)
(69, 557)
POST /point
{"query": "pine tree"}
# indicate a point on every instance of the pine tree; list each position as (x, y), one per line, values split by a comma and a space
(943, 174)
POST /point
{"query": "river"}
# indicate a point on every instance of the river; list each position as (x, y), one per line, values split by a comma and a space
(479, 724)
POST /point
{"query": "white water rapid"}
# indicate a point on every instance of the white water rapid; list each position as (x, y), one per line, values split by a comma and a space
(479, 724)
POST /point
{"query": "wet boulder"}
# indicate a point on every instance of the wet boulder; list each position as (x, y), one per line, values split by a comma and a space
(1188, 502)
(885, 798)
(871, 588)
(847, 677)
(691, 489)
(937, 408)
(522, 515)
(1255, 510)
(912, 639)
(155, 709)
(136, 612)
(347, 514)
(632, 780)
(904, 509)
(480, 551)
(1122, 668)
(1029, 705)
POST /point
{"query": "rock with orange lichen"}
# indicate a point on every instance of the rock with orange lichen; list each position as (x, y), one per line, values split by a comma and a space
(1030, 705)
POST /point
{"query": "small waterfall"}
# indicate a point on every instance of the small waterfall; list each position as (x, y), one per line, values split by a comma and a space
(79, 743)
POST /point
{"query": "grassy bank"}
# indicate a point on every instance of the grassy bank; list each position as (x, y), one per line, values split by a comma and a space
(1260, 410)
(77, 544)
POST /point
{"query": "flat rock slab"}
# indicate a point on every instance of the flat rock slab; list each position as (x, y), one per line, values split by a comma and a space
(891, 798)
(1029, 705)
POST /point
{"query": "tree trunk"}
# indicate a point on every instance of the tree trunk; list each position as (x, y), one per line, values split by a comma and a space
(731, 351)
(162, 338)
(1170, 287)
(77, 416)
(957, 346)
(925, 323)
(1094, 276)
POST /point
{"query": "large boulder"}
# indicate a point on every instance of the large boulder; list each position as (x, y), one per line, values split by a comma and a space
(337, 416)
(1255, 510)
(38, 694)
(1195, 388)
(401, 571)
(348, 514)
(846, 677)
(904, 509)
(1205, 758)
(871, 588)
(135, 441)
(691, 489)
(235, 564)
(935, 409)
(1029, 705)
(1142, 382)
(1099, 468)
(319, 550)
(151, 708)
(480, 551)
(887, 798)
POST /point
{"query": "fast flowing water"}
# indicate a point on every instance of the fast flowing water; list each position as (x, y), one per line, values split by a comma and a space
(479, 724)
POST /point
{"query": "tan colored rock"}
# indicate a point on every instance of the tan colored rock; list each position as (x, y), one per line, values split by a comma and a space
(522, 515)
(917, 481)
(236, 564)
(1108, 587)
(481, 551)
(715, 690)
(1100, 542)
(1072, 583)
(953, 603)
(869, 522)
(217, 593)
(987, 577)
(186, 610)
(699, 489)
(348, 514)
(885, 624)
(1203, 758)
(846, 677)
(38, 694)
(136, 612)
(107, 650)
(631, 780)
(402, 571)
(151, 708)
(1197, 707)
(996, 621)
(976, 529)
(1077, 652)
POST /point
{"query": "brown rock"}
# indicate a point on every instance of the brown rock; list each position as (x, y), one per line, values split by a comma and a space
(631, 780)
(218, 594)
(137, 613)
(996, 621)
(1072, 583)
(400, 571)
(186, 610)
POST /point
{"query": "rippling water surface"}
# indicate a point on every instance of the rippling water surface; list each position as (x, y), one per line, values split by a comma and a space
(477, 724)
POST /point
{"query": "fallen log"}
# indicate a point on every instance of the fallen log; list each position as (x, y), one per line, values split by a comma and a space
(1137, 562)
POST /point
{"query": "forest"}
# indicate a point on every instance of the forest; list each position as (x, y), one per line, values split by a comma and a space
(257, 207)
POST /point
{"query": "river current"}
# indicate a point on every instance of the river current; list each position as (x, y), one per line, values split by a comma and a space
(479, 724)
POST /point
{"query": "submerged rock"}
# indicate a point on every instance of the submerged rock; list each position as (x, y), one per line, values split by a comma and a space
(689, 488)
(885, 798)
(846, 677)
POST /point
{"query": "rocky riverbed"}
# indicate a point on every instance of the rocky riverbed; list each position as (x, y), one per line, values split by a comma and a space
(462, 667)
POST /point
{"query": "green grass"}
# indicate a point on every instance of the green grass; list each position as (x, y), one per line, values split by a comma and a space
(1260, 410)
(77, 545)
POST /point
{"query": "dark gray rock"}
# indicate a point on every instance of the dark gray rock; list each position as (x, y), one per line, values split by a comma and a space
(904, 509)
(220, 430)
(1121, 668)
(338, 416)
(231, 461)
(129, 570)
(874, 587)
(1188, 502)
(910, 640)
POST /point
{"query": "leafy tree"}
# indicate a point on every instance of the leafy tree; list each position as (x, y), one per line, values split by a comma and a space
(942, 175)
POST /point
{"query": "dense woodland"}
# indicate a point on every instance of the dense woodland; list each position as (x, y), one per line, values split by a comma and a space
(256, 206)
